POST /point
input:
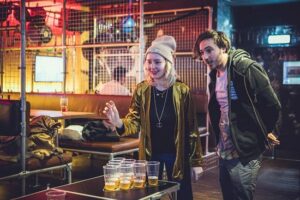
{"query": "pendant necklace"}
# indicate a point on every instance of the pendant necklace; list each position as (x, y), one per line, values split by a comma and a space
(159, 123)
(160, 94)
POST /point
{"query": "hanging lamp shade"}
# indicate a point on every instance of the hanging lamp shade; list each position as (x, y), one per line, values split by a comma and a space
(128, 22)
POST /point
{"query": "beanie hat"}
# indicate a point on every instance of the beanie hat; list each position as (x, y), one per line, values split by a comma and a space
(165, 46)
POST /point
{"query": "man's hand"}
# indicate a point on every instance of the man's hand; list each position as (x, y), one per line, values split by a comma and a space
(273, 139)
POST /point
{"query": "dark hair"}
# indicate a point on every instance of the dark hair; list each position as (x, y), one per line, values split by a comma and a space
(220, 39)
(119, 72)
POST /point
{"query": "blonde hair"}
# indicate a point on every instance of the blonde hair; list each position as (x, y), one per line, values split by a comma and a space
(170, 75)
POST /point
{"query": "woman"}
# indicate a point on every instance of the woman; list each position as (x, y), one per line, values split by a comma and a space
(161, 109)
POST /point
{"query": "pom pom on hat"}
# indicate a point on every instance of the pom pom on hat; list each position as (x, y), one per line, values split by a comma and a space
(165, 46)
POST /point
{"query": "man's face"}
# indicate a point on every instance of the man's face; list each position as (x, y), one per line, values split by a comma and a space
(122, 80)
(211, 54)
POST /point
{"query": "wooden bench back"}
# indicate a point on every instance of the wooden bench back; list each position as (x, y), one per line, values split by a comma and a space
(94, 102)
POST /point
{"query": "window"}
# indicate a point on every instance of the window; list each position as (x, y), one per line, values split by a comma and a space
(49, 69)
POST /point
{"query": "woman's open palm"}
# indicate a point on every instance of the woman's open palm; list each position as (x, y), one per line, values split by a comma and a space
(112, 114)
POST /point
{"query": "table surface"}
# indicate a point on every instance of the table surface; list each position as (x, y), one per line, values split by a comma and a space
(56, 114)
(93, 189)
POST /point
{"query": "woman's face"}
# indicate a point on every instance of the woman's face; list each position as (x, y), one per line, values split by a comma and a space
(155, 65)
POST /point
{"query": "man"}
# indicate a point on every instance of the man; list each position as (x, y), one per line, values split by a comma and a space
(243, 110)
(115, 86)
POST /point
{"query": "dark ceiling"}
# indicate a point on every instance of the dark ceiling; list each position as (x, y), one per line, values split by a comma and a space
(269, 14)
(257, 2)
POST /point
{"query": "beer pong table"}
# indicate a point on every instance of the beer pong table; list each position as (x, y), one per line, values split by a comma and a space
(93, 189)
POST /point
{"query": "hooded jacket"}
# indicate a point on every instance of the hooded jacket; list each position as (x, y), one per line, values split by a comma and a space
(138, 119)
(253, 105)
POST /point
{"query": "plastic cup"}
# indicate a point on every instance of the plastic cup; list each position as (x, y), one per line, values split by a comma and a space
(139, 179)
(115, 161)
(118, 159)
(63, 104)
(56, 195)
(117, 173)
(129, 161)
(141, 161)
(111, 180)
(126, 176)
(152, 172)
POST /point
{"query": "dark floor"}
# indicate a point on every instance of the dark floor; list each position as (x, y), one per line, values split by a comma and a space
(278, 180)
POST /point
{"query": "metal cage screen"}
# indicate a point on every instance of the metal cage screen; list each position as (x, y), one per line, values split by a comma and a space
(98, 37)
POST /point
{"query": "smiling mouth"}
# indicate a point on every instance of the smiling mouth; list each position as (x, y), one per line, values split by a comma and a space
(153, 72)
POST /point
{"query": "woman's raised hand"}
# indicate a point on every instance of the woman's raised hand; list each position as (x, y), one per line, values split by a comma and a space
(112, 114)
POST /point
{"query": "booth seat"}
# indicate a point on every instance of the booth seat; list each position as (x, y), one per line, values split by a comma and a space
(95, 103)
(76, 102)
(11, 162)
(87, 103)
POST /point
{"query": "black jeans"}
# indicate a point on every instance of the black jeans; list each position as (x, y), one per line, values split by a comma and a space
(185, 191)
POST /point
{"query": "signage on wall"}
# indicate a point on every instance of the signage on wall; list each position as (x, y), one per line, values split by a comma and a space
(279, 39)
(269, 36)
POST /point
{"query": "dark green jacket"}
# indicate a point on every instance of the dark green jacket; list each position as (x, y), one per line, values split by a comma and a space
(138, 119)
(253, 111)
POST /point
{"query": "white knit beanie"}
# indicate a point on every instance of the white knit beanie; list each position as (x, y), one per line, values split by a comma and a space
(165, 46)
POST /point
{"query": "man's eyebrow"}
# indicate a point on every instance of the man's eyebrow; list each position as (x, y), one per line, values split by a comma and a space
(208, 47)
(201, 50)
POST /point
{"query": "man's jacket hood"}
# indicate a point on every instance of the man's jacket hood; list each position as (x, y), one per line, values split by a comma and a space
(238, 56)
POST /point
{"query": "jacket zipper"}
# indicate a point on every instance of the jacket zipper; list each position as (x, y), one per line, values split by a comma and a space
(253, 107)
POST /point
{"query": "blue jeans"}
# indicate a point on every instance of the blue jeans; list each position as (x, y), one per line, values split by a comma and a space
(185, 191)
(238, 181)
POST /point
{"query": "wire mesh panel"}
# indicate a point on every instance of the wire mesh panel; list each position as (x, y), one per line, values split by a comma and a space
(184, 25)
(109, 44)
(75, 47)
(91, 38)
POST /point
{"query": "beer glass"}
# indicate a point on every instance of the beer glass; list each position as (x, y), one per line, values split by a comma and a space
(152, 172)
(63, 104)
(110, 177)
(139, 170)
(126, 176)
(117, 173)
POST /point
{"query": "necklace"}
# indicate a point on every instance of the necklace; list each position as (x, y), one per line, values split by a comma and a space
(160, 93)
(159, 123)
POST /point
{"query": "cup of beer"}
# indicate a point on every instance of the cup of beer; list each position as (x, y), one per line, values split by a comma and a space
(152, 172)
(139, 170)
(110, 177)
(126, 176)
(117, 173)
(63, 104)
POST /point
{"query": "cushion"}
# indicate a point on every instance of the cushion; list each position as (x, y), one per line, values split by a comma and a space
(72, 132)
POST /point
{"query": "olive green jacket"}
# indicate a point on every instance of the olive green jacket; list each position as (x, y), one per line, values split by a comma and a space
(138, 120)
